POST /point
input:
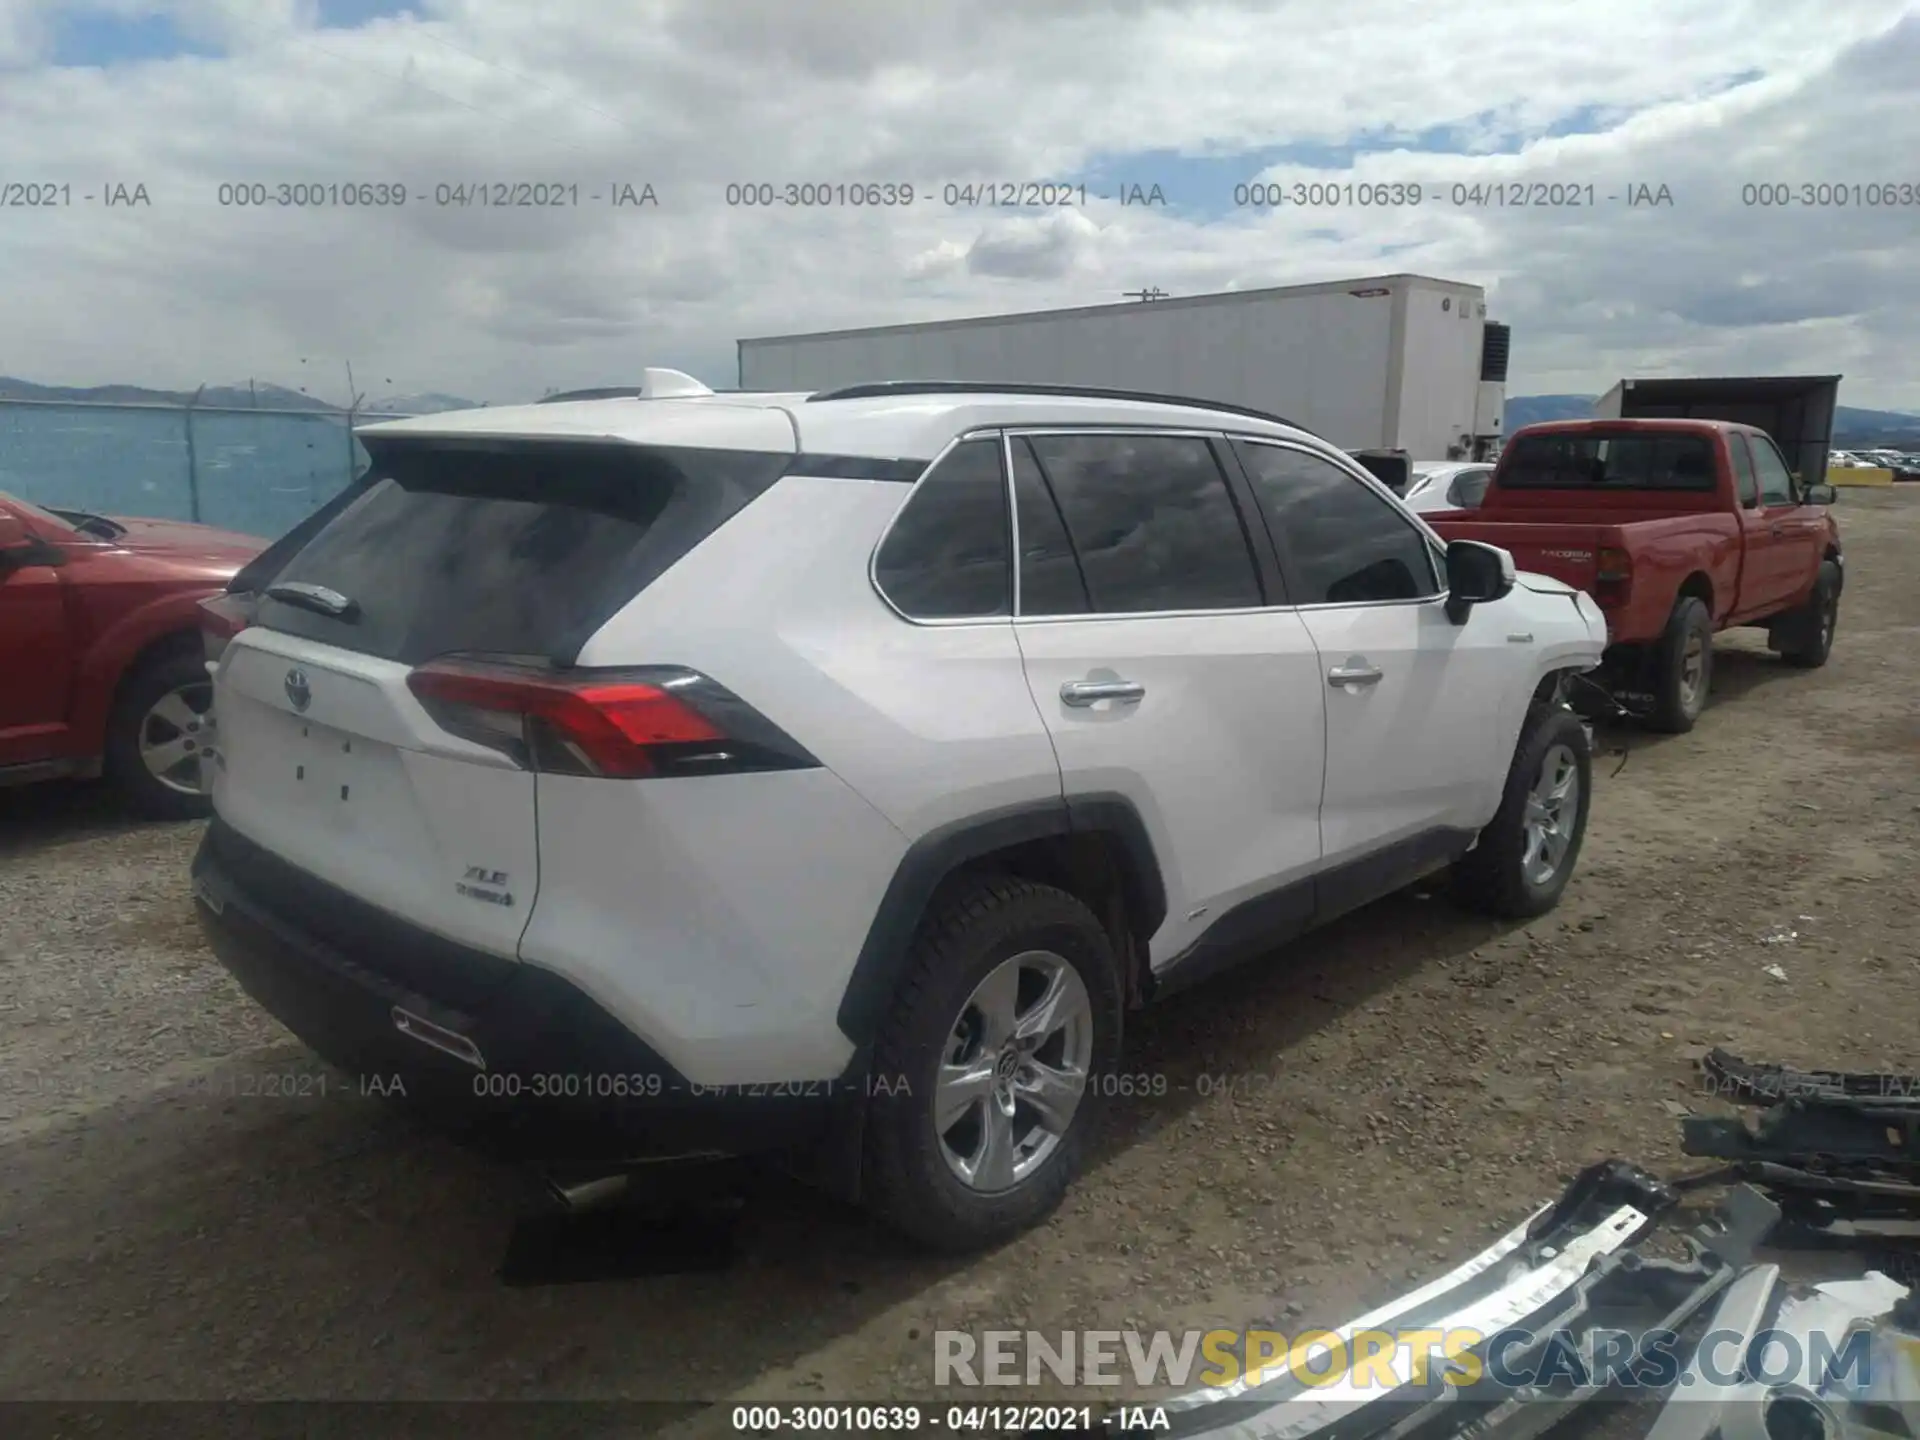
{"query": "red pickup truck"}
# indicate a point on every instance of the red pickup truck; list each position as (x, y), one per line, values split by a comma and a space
(102, 662)
(1678, 529)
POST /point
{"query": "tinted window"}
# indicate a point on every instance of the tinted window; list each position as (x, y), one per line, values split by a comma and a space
(1050, 579)
(1348, 544)
(1776, 483)
(1469, 488)
(1152, 521)
(511, 548)
(947, 555)
(1624, 461)
(1745, 485)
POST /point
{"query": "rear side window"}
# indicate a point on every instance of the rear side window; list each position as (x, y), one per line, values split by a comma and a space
(1348, 544)
(1626, 461)
(1152, 522)
(948, 555)
(1050, 578)
(518, 549)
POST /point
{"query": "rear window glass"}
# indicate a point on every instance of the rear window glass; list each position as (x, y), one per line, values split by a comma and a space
(1625, 461)
(522, 549)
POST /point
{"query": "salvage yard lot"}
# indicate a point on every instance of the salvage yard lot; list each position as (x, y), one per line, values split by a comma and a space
(1318, 1130)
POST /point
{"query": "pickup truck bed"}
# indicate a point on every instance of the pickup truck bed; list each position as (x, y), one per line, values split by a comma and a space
(1678, 529)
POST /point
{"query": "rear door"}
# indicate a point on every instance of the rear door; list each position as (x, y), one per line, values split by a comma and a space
(495, 550)
(1161, 657)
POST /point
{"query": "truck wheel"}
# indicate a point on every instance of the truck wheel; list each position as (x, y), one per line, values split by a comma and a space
(157, 736)
(1805, 638)
(1682, 667)
(1527, 852)
(985, 1071)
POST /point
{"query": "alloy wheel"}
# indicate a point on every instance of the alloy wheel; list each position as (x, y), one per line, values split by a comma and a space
(1014, 1071)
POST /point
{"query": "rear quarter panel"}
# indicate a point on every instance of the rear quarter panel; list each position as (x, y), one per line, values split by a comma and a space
(1665, 553)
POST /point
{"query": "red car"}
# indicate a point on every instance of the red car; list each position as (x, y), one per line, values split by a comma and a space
(102, 666)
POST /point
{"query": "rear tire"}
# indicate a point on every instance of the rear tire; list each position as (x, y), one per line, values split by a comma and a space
(157, 734)
(1527, 852)
(1682, 667)
(993, 956)
(1805, 638)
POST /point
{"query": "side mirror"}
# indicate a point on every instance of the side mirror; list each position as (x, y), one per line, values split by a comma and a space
(20, 547)
(1822, 495)
(1476, 574)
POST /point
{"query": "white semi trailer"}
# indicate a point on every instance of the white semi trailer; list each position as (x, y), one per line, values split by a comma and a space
(1395, 362)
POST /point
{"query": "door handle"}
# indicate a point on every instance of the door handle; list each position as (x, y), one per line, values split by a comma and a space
(1353, 675)
(1082, 693)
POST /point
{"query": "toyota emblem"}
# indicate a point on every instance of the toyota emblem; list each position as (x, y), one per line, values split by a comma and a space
(298, 691)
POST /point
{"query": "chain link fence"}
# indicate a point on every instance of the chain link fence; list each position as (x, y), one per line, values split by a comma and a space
(255, 470)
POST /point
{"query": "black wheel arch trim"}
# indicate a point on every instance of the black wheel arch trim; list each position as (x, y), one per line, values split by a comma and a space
(937, 854)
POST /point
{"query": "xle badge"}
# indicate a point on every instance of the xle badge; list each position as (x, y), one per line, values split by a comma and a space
(480, 883)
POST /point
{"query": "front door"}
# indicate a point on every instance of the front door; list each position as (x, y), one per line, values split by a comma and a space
(1416, 741)
(1796, 536)
(36, 660)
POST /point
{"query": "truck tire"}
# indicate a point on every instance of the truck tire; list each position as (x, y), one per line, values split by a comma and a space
(1805, 638)
(1682, 667)
(1013, 984)
(157, 734)
(1527, 852)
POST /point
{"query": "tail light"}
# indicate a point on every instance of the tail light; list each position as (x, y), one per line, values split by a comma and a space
(1613, 577)
(624, 724)
(221, 618)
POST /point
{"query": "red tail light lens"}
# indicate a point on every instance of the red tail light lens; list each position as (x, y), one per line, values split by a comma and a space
(1612, 578)
(625, 724)
(221, 618)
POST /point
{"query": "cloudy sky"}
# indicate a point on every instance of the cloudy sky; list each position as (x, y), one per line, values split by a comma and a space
(181, 99)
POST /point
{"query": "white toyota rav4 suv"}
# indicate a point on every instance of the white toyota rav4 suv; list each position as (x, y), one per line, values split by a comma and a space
(694, 773)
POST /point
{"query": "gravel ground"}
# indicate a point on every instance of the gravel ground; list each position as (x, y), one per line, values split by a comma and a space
(1375, 1103)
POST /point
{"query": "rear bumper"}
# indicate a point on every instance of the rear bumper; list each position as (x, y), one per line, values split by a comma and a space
(543, 1074)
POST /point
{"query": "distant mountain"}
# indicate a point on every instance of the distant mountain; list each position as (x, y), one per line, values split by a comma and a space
(430, 402)
(1532, 409)
(262, 395)
(1851, 425)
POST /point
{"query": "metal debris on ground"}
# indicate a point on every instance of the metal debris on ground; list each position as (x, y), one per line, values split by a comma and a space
(1566, 1280)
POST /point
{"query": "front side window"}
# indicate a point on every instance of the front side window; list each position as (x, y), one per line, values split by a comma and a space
(948, 555)
(1348, 545)
(1151, 521)
(1776, 481)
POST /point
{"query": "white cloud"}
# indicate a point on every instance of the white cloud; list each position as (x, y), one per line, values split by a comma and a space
(501, 303)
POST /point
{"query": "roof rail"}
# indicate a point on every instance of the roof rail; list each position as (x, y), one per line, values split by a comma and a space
(881, 389)
(655, 384)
